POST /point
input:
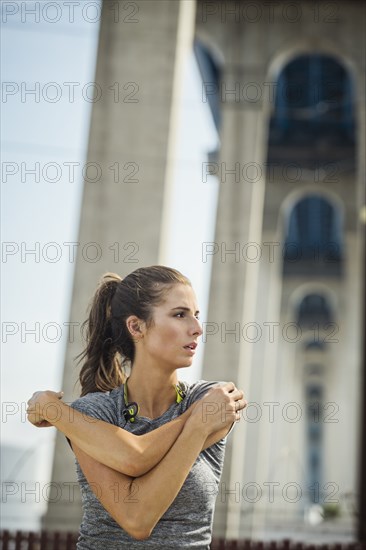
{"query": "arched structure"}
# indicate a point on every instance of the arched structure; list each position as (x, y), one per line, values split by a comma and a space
(315, 176)
(270, 179)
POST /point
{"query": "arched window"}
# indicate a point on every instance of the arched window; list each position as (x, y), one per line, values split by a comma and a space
(314, 309)
(313, 239)
(313, 119)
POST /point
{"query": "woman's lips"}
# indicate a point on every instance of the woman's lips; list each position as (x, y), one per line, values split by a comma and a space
(191, 347)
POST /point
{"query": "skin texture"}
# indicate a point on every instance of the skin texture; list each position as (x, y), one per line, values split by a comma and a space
(112, 446)
(155, 464)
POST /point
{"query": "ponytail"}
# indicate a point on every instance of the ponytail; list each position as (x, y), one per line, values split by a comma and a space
(102, 370)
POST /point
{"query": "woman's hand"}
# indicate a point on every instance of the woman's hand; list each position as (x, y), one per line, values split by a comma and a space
(219, 408)
(37, 402)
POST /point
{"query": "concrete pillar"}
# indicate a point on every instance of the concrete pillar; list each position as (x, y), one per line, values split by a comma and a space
(130, 141)
(233, 292)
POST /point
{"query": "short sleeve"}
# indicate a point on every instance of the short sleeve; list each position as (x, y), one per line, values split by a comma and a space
(213, 455)
(98, 405)
(198, 390)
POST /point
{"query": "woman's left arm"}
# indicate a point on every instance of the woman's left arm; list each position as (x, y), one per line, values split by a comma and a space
(133, 455)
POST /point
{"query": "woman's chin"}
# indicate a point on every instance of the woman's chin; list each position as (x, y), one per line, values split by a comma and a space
(185, 364)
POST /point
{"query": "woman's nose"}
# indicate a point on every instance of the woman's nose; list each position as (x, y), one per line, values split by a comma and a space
(197, 329)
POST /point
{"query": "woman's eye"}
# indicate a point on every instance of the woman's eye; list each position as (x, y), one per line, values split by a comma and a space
(182, 314)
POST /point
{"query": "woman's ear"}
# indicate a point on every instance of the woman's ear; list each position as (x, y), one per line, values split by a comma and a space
(135, 326)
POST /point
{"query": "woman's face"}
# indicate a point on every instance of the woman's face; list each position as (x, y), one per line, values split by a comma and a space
(173, 336)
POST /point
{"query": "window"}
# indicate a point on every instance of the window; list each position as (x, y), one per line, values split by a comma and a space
(313, 117)
(314, 436)
(313, 240)
(314, 309)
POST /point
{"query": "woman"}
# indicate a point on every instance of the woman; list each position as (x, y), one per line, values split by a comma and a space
(149, 466)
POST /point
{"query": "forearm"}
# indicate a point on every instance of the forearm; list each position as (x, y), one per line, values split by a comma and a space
(141, 502)
(215, 437)
(169, 474)
(142, 453)
(109, 444)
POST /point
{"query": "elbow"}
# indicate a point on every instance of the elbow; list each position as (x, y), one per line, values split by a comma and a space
(140, 534)
(129, 469)
(133, 522)
(137, 529)
(137, 465)
(137, 522)
(132, 464)
(137, 470)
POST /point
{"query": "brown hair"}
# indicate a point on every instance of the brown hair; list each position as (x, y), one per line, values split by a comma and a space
(109, 345)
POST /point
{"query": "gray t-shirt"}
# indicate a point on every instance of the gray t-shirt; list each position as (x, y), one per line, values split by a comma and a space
(188, 521)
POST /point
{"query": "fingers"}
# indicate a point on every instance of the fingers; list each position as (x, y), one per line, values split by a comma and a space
(232, 391)
(238, 396)
(229, 386)
(34, 408)
(34, 418)
(39, 394)
(236, 403)
(240, 405)
(227, 395)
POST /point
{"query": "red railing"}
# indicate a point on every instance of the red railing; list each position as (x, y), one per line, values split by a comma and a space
(47, 540)
(222, 544)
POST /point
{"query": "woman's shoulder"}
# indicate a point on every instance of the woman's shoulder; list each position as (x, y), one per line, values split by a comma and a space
(92, 397)
(198, 389)
(102, 405)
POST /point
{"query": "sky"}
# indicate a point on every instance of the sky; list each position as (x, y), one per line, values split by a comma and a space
(44, 133)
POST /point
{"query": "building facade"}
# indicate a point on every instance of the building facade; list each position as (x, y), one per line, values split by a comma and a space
(285, 83)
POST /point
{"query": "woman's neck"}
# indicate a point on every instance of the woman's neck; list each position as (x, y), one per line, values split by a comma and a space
(154, 392)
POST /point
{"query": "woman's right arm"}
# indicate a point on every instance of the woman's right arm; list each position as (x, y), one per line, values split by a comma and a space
(138, 504)
(109, 444)
(133, 455)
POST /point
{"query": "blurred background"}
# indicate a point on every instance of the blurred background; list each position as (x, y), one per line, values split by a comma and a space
(225, 139)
